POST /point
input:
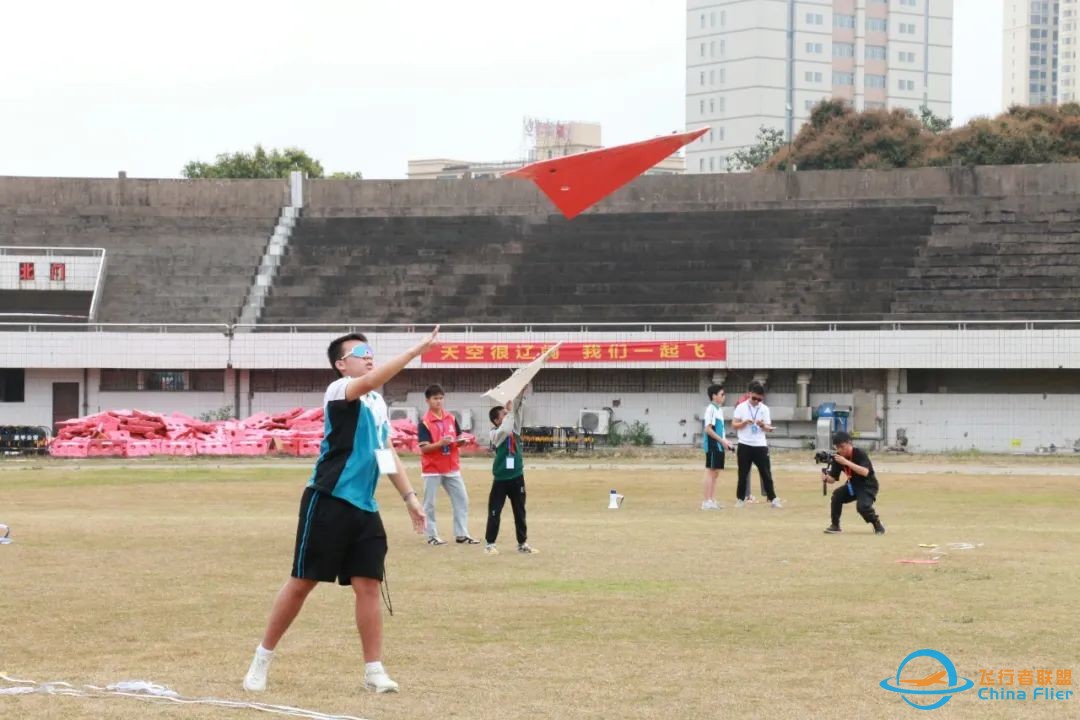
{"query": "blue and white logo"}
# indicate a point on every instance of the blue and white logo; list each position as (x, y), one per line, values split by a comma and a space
(924, 687)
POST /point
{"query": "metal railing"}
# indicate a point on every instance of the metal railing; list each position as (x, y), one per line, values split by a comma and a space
(410, 328)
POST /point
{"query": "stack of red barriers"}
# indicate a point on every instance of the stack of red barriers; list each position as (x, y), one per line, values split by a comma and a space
(135, 433)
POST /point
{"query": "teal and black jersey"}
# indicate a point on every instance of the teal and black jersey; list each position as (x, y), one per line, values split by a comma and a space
(347, 467)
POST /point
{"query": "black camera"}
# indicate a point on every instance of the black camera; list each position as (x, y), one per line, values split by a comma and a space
(824, 456)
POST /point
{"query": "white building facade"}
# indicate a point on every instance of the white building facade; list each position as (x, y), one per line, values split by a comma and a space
(999, 386)
(1039, 52)
(754, 63)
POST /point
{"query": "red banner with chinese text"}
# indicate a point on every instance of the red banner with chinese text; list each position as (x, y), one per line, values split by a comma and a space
(598, 352)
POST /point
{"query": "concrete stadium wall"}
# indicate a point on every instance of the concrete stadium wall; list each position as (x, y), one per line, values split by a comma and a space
(345, 198)
(195, 198)
(511, 196)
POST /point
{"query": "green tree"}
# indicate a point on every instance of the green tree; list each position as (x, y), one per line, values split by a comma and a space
(1020, 135)
(838, 138)
(932, 122)
(255, 165)
(768, 141)
(346, 176)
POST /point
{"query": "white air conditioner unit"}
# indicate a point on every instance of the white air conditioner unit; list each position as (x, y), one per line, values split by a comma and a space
(464, 419)
(595, 421)
(400, 412)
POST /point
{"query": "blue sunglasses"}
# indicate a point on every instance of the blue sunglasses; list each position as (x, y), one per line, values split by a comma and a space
(360, 351)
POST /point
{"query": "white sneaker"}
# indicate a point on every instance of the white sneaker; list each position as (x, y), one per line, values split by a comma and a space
(255, 680)
(490, 549)
(776, 503)
(740, 503)
(380, 682)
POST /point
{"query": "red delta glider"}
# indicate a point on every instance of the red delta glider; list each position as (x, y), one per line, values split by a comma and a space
(577, 182)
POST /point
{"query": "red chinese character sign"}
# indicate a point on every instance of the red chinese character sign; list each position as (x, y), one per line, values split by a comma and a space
(577, 182)
(578, 353)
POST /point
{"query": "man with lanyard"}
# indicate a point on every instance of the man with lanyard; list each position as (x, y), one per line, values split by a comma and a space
(860, 488)
(340, 535)
(752, 420)
(440, 464)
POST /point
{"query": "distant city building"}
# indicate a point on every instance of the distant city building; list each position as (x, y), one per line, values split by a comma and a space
(1039, 52)
(751, 63)
(546, 140)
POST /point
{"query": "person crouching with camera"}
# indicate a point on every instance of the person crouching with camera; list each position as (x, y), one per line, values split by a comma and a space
(861, 486)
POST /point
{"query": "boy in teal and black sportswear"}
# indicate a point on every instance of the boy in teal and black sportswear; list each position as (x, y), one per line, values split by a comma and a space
(509, 477)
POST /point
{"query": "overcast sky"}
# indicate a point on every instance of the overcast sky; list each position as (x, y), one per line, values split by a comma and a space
(91, 88)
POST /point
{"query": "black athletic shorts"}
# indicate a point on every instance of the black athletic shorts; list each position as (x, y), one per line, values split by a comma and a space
(714, 457)
(337, 540)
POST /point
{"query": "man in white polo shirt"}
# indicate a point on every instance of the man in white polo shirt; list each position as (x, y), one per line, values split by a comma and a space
(752, 421)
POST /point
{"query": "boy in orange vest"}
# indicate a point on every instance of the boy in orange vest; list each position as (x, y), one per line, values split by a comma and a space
(440, 464)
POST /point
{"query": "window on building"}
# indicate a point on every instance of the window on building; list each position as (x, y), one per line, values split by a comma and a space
(843, 50)
(57, 271)
(811, 76)
(879, 25)
(207, 380)
(712, 77)
(875, 52)
(874, 81)
(702, 19)
(165, 380)
(701, 164)
(119, 380)
(908, 3)
(12, 385)
(844, 21)
(712, 106)
(814, 48)
(26, 271)
(720, 104)
(723, 75)
(701, 106)
(721, 129)
(875, 106)
(814, 19)
(712, 19)
(843, 78)
(702, 49)
(712, 163)
(723, 18)
(809, 104)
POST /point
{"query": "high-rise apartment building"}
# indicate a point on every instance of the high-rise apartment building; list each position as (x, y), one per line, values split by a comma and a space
(1039, 54)
(1068, 50)
(751, 63)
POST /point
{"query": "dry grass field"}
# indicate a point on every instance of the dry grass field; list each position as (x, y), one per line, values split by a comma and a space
(166, 571)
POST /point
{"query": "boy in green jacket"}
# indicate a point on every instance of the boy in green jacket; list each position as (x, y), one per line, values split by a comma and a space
(509, 477)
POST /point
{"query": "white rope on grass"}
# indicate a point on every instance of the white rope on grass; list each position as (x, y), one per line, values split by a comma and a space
(151, 692)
